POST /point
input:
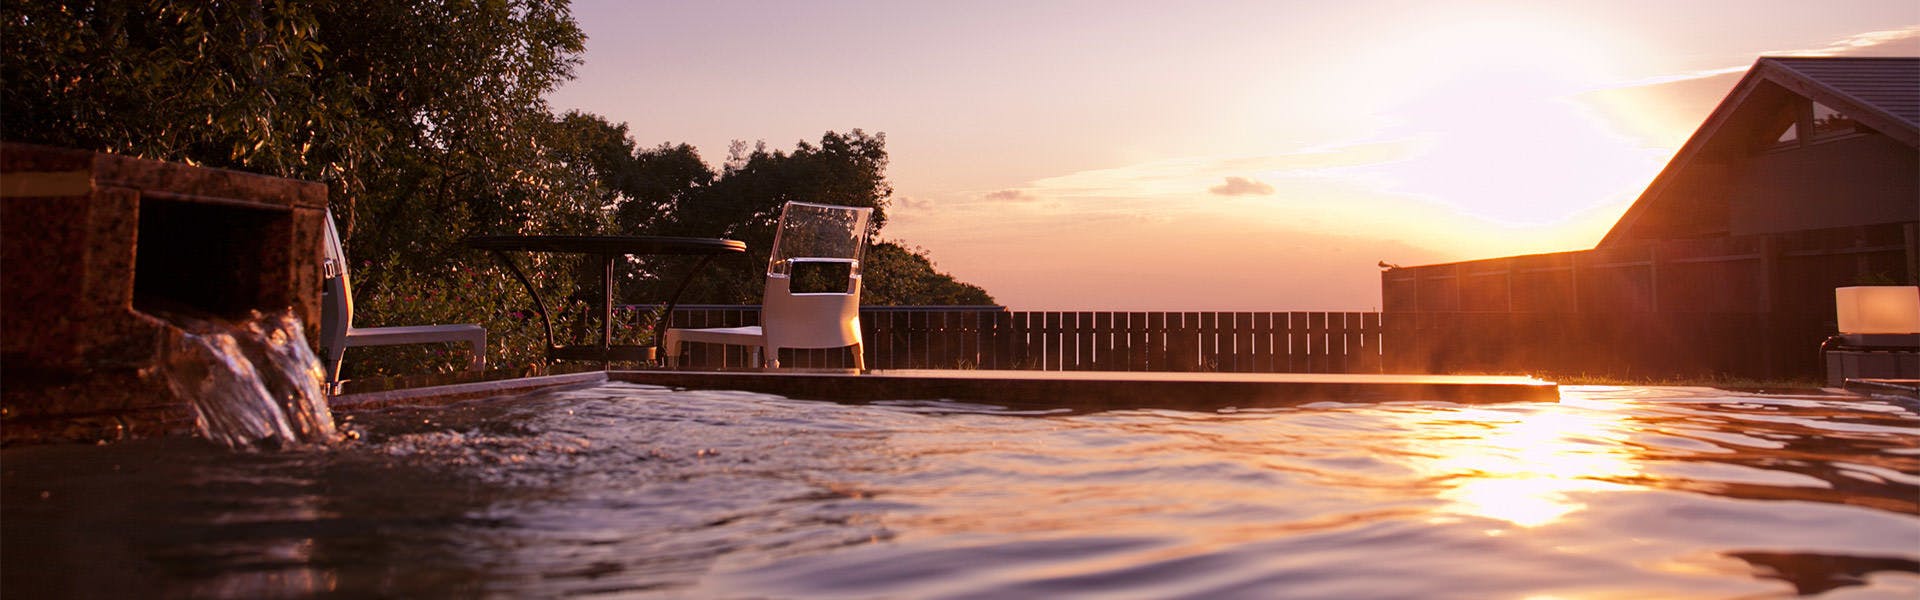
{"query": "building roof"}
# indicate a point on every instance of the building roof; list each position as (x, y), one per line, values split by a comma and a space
(1880, 93)
(1882, 85)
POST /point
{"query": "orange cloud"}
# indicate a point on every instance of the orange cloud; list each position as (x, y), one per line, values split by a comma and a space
(1242, 186)
(1011, 196)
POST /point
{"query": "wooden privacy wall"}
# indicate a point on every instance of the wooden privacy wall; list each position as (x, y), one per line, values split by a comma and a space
(995, 338)
(1745, 306)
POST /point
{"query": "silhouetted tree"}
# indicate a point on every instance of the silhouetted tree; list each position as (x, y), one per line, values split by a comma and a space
(895, 275)
(659, 180)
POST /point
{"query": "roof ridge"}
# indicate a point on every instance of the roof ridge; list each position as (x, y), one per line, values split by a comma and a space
(1796, 57)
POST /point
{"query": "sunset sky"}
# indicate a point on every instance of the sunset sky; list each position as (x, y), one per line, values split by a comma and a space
(1257, 155)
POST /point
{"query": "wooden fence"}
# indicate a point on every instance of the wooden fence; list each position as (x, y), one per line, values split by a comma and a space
(1753, 306)
(973, 337)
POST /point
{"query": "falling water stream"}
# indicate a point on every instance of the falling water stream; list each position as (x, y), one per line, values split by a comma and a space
(252, 384)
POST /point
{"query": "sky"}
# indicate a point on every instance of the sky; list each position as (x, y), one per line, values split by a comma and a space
(1213, 155)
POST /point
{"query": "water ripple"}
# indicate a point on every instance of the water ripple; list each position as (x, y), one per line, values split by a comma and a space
(637, 490)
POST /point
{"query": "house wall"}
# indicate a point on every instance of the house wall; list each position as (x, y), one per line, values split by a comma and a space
(1744, 306)
(1860, 180)
(1699, 200)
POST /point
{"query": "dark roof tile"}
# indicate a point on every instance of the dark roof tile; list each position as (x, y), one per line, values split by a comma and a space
(1889, 84)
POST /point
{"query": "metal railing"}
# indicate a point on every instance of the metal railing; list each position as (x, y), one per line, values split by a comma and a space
(992, 337)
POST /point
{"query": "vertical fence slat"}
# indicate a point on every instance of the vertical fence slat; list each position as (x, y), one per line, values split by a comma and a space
(937, 347)
(1032, 352)
(970, 339)
(1197, 337)
(1013, 341)
(1350, 335)
(1016, 341)
(1337, 342)
(880, 354)
(1370, 340)
(1299, 360)
(956, 340)
(1004, 351)
(1083, 340)
(1322, 362)
(1157, 341)
(1262, 349)
(1051, 325)
(1189, 343)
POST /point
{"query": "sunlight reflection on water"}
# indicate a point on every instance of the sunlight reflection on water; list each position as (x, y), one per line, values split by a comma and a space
(1612, 492)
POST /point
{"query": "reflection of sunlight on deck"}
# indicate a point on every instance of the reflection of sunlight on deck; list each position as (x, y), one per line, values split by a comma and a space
(1525, 467)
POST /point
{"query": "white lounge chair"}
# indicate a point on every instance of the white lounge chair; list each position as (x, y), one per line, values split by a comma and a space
(337, 332)
(811, 240)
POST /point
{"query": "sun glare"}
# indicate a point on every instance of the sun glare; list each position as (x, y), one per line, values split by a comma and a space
(1494, 100)
(1529, 469)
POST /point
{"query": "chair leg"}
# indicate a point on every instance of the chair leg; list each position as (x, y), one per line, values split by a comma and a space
(859, 358)
(478, 343)
(335, 355)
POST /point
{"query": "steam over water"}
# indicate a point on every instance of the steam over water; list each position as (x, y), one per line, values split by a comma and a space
(634, 490)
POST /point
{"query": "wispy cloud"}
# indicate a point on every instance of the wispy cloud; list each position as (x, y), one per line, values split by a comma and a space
(1867, 44)
(1661, 111)
(1181, 178)
(1242, 186)
(910, 203)
(1887, 42)
(1010, 196)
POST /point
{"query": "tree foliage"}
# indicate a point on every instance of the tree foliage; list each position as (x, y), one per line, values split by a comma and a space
(744, 200)
(427, 120)
(420, 115)
(228, 84)
(900, 276)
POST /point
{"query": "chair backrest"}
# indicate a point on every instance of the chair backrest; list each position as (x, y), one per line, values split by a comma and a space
(336, 291)
(813, 277)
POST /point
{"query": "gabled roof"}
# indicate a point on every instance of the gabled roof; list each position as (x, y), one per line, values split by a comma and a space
(1867, 89)
(1880, 93)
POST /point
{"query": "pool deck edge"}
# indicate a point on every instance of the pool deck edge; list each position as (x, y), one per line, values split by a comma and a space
(443, 394)
(1093, 391)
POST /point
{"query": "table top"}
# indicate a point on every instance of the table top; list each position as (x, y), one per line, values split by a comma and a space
(607, 244)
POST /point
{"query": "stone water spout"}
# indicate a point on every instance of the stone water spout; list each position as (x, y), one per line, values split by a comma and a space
(111, 264)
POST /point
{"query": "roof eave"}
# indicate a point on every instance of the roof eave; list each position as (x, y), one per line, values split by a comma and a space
(1770, 70)
(1686, 154)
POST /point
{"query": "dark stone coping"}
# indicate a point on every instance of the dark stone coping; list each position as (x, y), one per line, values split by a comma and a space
(1097, 391)
(1901, 388)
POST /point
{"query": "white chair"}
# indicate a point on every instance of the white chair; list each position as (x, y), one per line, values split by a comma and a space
(337, 332)
(812, 242)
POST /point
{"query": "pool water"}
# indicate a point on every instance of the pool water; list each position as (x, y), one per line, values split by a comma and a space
(631, 490)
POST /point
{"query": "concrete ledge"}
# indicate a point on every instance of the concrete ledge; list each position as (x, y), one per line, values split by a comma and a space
(1096, 391)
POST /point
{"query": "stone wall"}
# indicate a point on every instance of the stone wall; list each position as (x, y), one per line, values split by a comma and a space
(93, 245)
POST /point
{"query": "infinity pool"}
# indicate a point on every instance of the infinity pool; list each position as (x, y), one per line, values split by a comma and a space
(631, 490)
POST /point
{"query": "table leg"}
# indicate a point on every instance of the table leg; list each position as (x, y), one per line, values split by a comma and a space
(666, 316)
(546, 324)
(606, 309)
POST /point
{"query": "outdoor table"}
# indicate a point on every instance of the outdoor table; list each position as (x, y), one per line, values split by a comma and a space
(606, 248)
